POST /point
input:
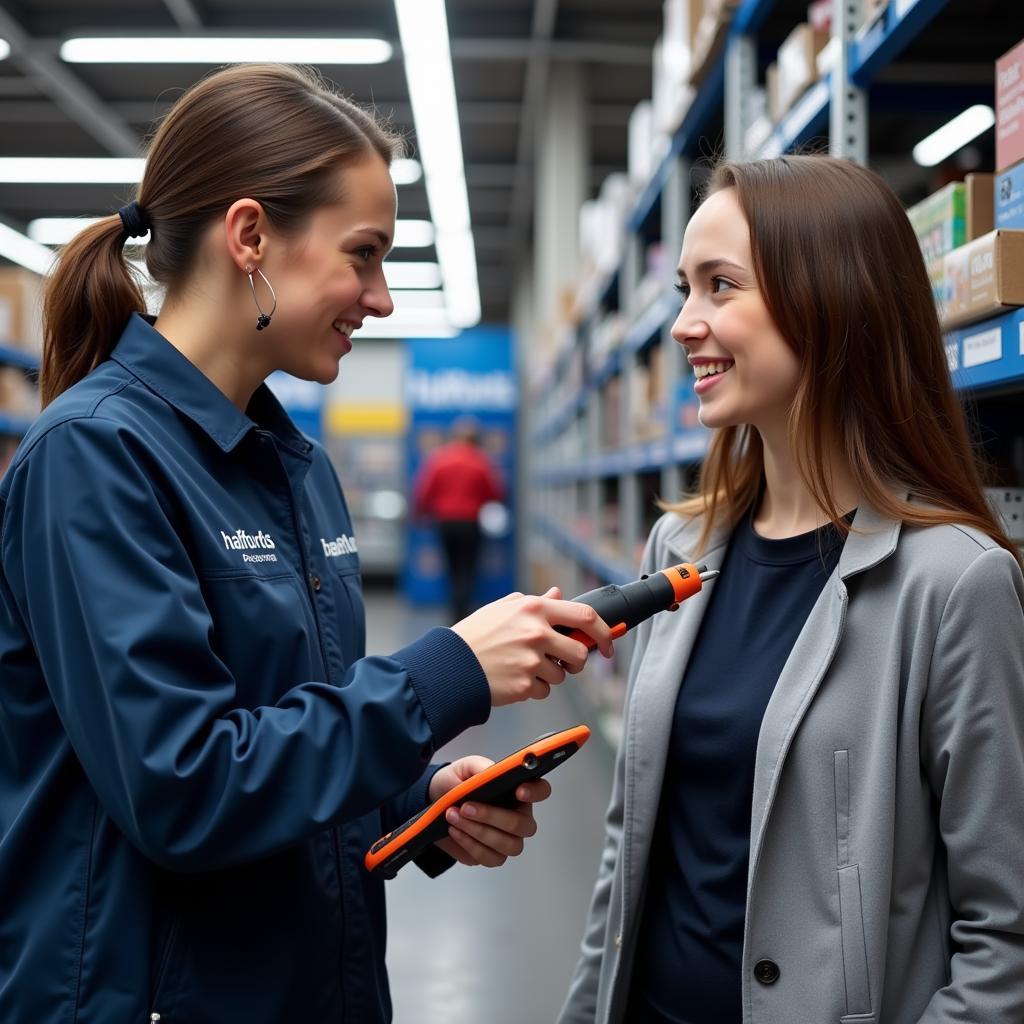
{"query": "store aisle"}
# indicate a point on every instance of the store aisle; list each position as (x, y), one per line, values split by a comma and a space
(480, 946)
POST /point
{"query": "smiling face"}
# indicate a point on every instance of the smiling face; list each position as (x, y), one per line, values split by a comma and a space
(746, 372)
(331, 277)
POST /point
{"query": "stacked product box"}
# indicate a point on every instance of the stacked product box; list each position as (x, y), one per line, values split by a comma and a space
(984, 278)
(21, 322)
(940, 223)
(1009, 185)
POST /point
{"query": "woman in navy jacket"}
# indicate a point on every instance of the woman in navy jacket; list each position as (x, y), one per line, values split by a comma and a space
(194, 751)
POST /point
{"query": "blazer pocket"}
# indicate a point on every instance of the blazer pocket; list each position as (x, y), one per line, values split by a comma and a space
(855, 955)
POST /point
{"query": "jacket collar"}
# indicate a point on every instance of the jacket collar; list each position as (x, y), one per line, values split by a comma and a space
(146, 353)
(872, 540)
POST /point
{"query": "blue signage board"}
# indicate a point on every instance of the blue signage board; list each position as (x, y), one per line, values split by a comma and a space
(303, 400)
(472, 375)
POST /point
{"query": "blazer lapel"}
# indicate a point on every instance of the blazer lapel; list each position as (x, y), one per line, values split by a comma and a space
(874, 540)
(648, 725)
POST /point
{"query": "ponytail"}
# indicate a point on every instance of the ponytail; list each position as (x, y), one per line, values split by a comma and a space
(87, 301)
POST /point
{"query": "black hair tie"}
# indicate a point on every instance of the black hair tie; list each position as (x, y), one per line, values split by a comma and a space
(133, 217)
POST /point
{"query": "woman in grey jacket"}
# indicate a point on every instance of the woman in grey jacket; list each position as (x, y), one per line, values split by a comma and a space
(818, 810)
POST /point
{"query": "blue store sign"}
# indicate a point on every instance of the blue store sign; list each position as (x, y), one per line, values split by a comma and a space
(471, 375)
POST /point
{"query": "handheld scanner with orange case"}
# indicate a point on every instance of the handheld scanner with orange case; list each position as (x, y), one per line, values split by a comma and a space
(626, 606)
(494, 785)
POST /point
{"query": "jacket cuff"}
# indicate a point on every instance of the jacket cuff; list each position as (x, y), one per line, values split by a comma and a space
(449, 682)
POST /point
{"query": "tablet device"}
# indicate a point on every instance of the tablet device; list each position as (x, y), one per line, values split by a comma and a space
(495, 785)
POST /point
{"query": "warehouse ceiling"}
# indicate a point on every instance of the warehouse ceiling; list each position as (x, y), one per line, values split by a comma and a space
(501, 53)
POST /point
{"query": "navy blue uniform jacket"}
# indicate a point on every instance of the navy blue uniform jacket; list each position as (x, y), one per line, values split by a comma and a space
(195, 753)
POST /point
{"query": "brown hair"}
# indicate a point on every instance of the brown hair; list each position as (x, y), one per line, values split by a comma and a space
(844, 281)
(274, 133)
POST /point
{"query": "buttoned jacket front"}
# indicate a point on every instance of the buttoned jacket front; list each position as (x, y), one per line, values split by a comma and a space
(886, 877)
(195, 754)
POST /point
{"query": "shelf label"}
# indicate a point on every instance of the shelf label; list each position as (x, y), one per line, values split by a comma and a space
(985, 347)
(953, 356)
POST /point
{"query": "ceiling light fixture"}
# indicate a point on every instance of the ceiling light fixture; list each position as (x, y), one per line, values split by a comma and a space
(413, 234)
(409, 234)
(411, 274)
(33, 170)
(104, 170)
(21, 249)
(222, 50)
(955, 135)
(426, 53)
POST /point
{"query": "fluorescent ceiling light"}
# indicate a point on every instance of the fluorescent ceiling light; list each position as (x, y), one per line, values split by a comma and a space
(412, 275)
(426, 53)
(455, 252)
(222, 50)
(409, 323)
(31, 170)
(406, 172)
(416, 301)
(20, 249)
(121, 170)
(5, 49)
(409, 234)
(955, 135)
(413, 234)
(60, 230)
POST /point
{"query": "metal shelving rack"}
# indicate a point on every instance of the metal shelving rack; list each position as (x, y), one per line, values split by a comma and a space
(572, 475)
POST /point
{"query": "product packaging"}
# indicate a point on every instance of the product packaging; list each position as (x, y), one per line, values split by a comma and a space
(940, 221)
(797, 63)
(21, 323)
(979, 202)
(984, 277)
(1010, 108)
(1009, 198)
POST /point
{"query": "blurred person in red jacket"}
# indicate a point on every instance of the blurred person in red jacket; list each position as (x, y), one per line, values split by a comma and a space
(453, 484)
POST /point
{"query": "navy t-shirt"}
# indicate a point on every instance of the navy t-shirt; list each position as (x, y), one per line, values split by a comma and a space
(689, 955)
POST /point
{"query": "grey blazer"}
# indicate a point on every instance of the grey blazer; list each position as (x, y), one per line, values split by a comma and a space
(886, 880)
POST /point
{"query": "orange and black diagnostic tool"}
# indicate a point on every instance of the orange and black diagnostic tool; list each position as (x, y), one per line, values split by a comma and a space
(495, 785)
(627, 606)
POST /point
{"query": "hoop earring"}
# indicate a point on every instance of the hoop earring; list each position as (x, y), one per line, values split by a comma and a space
(263, 320)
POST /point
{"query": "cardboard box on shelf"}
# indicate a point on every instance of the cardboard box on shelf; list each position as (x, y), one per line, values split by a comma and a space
(21, 321)
(1009, 198)
(1010, 108)
(984, 277)
(937, 277)
(771, 88)
(17, 396)
(979, 204)
(670, 95)
(797, 63)
(681, 20)
(709, 38)
(940, 221)
(873, 8)
(819, 15)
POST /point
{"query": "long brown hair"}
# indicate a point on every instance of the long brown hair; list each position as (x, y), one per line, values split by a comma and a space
(844, 281)
(274, 133)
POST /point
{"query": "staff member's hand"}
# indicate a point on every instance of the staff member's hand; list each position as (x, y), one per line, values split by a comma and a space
(521, 654)
(481, 833)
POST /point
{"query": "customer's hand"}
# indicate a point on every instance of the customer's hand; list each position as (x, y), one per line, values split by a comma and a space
(518, 648)
(481, 833)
